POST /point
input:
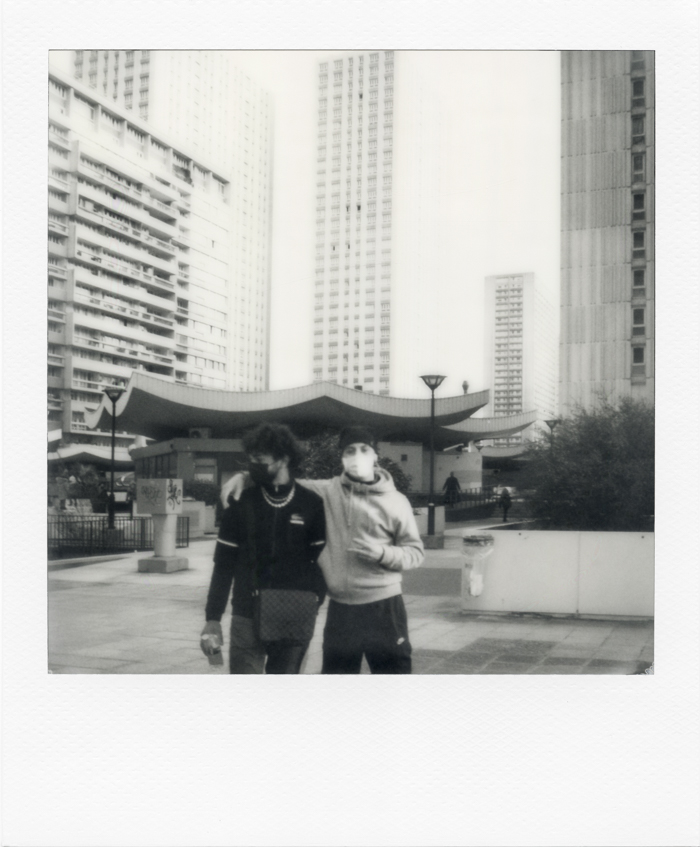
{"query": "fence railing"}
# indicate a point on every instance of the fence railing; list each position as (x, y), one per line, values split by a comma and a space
(75, 536)
(465, 499)
(473, 504)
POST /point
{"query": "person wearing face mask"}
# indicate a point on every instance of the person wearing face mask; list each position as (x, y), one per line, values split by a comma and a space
(371, 538)
(269, 539)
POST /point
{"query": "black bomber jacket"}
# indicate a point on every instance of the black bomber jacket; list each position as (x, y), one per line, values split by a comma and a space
(268, 547)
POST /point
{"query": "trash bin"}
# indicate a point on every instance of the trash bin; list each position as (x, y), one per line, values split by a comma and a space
(475, 549)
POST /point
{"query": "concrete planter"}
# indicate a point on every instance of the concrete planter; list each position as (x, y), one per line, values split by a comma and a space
(567, 573)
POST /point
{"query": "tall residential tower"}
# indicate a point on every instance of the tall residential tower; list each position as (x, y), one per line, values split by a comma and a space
(607, 247)
(375, 182)
(520, 352)
(198, 97)
(158, 261)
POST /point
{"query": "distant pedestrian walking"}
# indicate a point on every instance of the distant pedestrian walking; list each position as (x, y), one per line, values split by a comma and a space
(452, 489)
(505, 503)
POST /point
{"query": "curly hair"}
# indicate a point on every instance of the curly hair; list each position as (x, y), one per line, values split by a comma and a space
(275, 439)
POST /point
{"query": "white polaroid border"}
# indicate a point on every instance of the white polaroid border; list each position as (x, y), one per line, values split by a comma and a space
(117, 760)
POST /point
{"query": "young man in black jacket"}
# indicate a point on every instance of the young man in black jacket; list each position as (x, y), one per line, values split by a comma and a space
(270, 538)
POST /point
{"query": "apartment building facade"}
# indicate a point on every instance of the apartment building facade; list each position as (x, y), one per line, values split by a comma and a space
(199, 97)
(607, 240)
(520, 355)
(155, 262)
(371, 163)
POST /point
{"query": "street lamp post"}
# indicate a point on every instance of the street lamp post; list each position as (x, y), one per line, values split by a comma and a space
(114, 392)
(433, 381)
(551, 423)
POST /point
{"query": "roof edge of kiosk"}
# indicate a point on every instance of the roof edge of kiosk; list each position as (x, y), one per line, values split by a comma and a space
(160, 409)
(481, 429)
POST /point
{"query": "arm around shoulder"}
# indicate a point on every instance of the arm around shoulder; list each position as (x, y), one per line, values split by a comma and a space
(318, 486)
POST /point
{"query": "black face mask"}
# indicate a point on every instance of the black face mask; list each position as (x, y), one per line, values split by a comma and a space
(260, 473)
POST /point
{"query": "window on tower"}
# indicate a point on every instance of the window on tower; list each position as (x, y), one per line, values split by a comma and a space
(637, 129)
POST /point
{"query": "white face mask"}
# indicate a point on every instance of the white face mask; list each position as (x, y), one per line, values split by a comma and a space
(360, 464)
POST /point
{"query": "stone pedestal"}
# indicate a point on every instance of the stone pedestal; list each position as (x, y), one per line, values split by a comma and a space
(433, 542)
(164, 498)
(163, 564)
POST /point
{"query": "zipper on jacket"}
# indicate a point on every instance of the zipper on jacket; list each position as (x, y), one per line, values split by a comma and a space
(349, 511)
(274, 533)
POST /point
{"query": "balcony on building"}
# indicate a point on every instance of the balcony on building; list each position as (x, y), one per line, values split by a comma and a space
(112, 305)
(128, 209)
(58, 181)
(59, 137)
(132, 332)
(121, 349)
(58, 203)
(118, 247)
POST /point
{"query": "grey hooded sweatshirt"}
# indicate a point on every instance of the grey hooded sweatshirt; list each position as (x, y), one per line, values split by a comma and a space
(372, 511)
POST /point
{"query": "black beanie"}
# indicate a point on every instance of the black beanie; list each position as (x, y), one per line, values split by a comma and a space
(356, 435)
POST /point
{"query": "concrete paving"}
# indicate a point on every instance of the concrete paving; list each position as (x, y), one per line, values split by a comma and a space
(105, 617)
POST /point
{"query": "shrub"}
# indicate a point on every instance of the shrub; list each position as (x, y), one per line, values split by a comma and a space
(596, 472)
(207, 492)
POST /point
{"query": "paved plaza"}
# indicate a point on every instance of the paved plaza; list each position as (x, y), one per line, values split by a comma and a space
(105, 617)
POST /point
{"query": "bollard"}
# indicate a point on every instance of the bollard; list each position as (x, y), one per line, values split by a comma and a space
(162, 498)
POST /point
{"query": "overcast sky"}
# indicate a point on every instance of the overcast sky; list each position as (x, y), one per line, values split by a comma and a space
(500, 159)
(501, 149)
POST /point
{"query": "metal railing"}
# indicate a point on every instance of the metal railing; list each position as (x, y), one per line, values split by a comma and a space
(468, 505)
(465, 505)
(76, 536)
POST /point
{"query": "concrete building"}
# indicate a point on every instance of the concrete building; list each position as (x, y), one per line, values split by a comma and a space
(157, 262)
(376, 230)
(607, 248)
(520, 353)
(198, 97)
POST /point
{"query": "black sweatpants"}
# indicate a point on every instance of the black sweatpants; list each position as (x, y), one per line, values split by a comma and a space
(377, 630)
(248, 654)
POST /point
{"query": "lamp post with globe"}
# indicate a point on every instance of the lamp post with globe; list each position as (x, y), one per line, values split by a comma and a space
(114, 392)
(433, 381)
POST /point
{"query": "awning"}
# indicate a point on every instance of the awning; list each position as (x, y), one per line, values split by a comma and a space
(89, 454)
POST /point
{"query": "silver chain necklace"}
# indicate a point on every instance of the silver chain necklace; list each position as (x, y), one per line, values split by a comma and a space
(278, 504)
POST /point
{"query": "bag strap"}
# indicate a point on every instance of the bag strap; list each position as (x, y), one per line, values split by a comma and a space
(252, 547)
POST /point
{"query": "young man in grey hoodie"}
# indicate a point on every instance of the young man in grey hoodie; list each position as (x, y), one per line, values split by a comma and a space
(371, 537)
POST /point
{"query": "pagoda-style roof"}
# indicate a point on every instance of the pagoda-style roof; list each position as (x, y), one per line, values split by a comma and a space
(163, 410)
(477, 429)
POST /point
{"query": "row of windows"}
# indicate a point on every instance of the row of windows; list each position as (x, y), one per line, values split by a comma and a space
(639, 214)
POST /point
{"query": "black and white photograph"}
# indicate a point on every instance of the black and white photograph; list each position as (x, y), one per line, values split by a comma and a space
(264, 266)
(348, 355)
